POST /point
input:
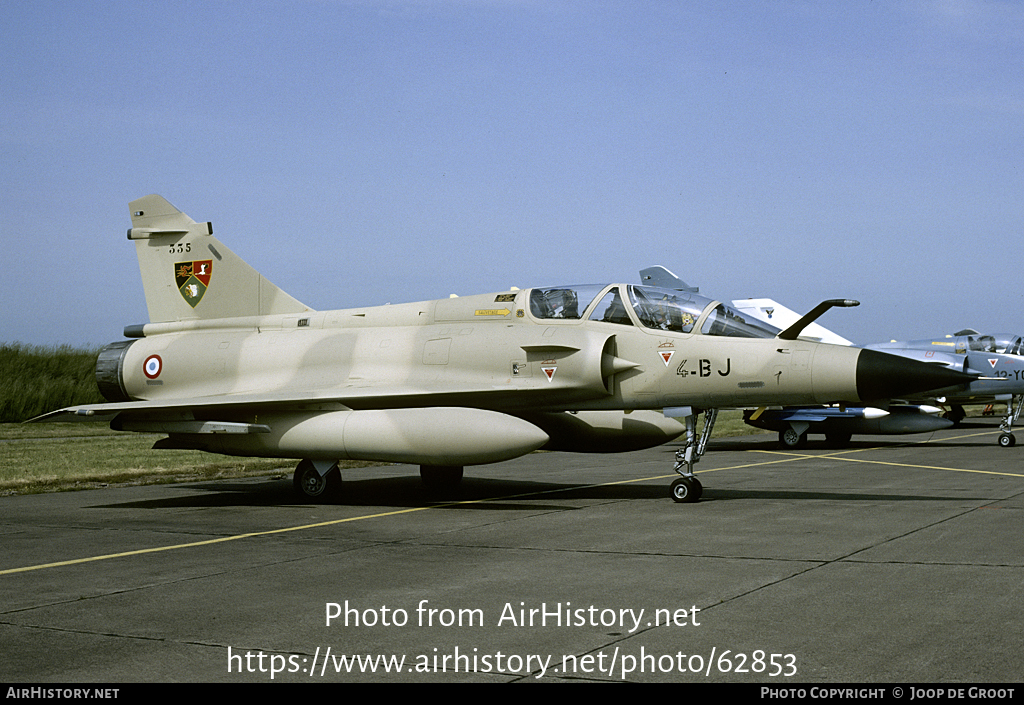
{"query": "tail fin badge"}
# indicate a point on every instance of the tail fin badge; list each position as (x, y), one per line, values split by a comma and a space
(193, 279)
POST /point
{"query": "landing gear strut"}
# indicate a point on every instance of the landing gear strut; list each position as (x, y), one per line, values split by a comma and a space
(688, 488)
(1013, 408)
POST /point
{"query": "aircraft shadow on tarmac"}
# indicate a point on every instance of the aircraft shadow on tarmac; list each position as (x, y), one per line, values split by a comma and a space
(475, 493)
(505, 492)
(404, 492)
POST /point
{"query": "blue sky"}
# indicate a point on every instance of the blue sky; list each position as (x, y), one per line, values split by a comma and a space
(361, 152)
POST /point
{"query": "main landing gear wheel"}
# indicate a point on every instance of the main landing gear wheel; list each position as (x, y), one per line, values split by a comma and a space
(1007, 440)
(686, 489)
(789, 438)
(311, 485)
(441, 477)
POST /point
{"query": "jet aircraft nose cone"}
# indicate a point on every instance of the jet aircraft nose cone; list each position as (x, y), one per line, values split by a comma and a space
(884, 376)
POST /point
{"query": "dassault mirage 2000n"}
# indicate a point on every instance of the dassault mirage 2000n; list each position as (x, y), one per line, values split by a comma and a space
(229, 363)
(997, 362)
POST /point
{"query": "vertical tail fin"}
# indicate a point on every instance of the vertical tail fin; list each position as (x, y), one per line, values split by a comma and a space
(188, 274)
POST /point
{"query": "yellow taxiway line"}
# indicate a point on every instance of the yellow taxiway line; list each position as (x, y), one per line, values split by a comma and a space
(303, 527)
(843, 455)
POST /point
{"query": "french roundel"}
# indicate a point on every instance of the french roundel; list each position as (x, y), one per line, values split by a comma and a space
(152, 366)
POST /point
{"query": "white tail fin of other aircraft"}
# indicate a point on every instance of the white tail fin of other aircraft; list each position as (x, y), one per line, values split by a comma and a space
(188, 274)
(775, 314)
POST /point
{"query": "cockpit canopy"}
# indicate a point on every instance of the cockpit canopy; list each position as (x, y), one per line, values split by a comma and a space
(1004, 344)
(649, 307)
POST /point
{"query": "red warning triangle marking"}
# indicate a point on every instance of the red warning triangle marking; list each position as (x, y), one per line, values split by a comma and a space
(993, 362)
(666, 356)
(550, 372)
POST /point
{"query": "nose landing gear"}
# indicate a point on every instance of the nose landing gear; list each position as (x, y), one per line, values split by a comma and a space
(1013, 408)
(687, 488)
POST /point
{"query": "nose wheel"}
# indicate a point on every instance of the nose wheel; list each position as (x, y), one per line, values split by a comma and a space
(686, 489)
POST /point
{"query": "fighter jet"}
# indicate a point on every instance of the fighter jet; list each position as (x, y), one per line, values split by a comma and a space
(997, 362)
(231, 364)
